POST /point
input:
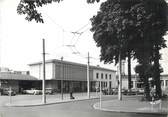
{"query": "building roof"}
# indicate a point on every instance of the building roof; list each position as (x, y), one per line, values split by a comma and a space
(72, 63)
(12, 76)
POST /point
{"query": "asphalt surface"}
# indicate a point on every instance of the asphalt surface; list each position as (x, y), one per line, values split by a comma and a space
(71, 109)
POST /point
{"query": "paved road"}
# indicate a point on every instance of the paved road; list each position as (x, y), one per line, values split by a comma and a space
(71, 109)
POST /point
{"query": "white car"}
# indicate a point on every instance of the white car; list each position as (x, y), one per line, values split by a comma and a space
(33, 91)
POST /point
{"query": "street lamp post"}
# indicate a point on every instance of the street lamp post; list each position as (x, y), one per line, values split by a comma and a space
(100, 94)
(62, 79)
(119, 79)
(43, 82)
(88, 79)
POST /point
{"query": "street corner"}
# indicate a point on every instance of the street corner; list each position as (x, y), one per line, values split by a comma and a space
(129, 106)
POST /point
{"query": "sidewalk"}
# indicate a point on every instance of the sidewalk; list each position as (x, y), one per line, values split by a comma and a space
(128, 104)
(132, 105)
(50, 99)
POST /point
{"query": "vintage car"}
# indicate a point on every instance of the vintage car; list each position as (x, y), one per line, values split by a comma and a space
(8, 91)
(33, 91)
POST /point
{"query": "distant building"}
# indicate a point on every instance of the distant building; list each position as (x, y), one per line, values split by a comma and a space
(135, 82)
(4, 69)
(164, 81)
(73, 75)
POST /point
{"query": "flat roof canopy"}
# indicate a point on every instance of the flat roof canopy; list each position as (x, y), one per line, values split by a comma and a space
(13, 76)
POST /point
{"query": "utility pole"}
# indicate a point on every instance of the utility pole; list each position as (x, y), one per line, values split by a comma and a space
(43, 82)
(119, 79)
(88, 79)
(62, 78)
(100, 94)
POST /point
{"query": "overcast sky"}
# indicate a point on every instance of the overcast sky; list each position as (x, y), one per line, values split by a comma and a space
(21, 41)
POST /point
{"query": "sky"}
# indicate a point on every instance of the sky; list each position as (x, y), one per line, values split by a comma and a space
(21, 41)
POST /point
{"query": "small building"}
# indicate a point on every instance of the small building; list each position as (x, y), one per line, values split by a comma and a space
(164, 82)
(17, 82)
(73, 75)
(135, 82)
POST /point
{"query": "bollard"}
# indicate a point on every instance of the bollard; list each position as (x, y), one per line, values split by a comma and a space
(10, 95)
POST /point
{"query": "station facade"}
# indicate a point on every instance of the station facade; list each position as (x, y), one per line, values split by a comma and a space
(73, 75)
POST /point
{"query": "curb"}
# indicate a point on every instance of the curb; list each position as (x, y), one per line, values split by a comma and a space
(42, 104)
(95, 106)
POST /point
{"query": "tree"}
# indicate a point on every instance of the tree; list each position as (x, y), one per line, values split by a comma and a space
(151, 26)
(136, 27)
(145, 72)
(29, 8)
(113, 28)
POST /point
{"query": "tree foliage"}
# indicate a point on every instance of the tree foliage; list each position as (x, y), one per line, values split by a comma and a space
(151, 27)
(30, 8)
(113, 29)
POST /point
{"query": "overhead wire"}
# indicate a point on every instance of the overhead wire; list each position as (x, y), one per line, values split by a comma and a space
(72, 45)
(61, 27)
(83, 27)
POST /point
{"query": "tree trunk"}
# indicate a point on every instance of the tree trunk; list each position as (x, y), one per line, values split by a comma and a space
(145, 62)
(129, 71)
(147, 90)
(157, 73)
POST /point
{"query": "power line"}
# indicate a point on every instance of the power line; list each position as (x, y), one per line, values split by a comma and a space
(61, 27)
(78, 32)
(83, 27)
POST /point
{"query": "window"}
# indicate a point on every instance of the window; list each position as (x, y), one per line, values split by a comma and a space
(106, 76)
(101, 75)
(106, 84)
(110, 86)
(131, 84)
(166, 82)
(162, 83)
(110, 76)
(97, 75)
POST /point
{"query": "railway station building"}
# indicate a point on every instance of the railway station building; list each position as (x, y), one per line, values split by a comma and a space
(73, 75)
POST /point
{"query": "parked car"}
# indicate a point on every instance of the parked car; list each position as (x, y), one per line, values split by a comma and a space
(124, 91)
(114, 91)
(104, 91)
(165, 92)
(141, 91)
(49, 91)
(132, 92)
(33, 91)
(8, 91)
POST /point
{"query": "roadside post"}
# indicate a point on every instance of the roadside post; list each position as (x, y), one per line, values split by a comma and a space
(10, 95)
(44, 75)
(62, 79)
(100, 95)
